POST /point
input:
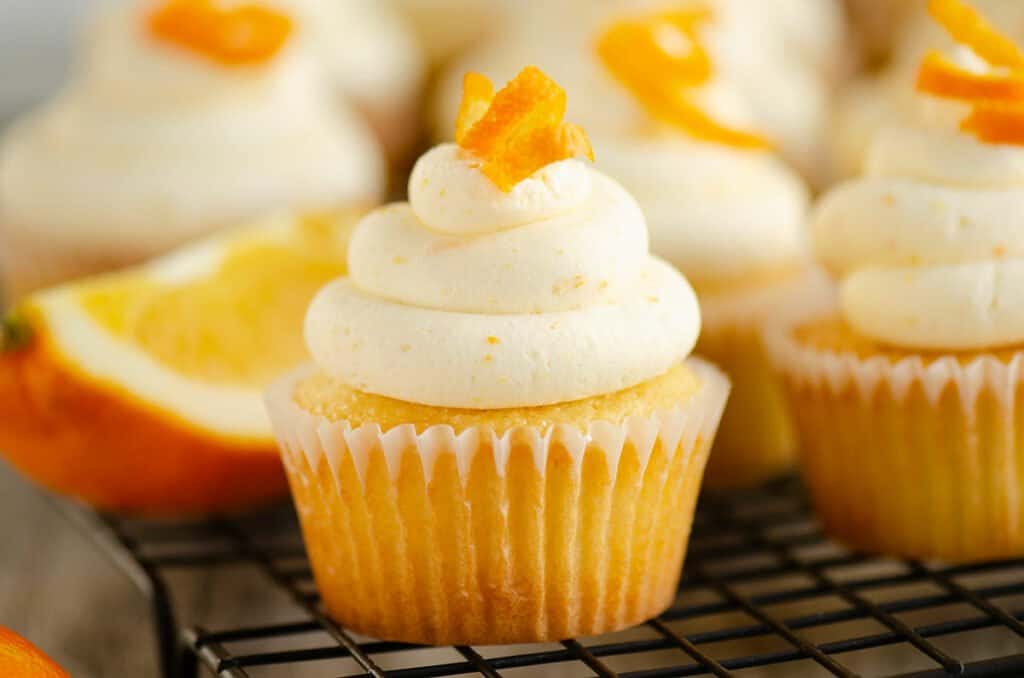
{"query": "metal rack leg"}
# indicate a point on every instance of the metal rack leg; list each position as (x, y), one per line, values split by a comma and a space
(164, 624)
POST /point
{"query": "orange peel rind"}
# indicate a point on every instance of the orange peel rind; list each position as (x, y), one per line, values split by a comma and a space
(970, 28)
(997, 101)
(996, 124)
(21, 659)
(941, 77)
(518, 130)
(243, 35)
(658, 57)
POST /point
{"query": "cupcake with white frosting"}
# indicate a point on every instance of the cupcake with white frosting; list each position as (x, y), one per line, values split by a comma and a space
(501, 429)
(909, 399)
(171, 128)
(726, 211)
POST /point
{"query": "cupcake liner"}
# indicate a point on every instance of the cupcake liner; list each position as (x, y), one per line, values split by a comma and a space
(757, 440)
(484, 537)
(913, 458)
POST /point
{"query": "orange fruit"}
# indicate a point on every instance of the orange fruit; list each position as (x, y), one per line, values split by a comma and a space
(142, 391)
(21, 659)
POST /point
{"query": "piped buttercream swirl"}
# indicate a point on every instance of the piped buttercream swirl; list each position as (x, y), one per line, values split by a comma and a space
(471, 297)
(930, 243)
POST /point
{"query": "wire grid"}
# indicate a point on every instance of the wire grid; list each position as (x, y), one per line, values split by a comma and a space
(780, 596)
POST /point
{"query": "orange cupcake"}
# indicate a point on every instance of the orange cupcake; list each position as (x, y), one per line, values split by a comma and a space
(501, 431)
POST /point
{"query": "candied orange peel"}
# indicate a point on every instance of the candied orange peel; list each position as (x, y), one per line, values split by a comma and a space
(997, 100)
(970, 28)
(658, 57)
(518, 130)
(941, 77)
(243, 35)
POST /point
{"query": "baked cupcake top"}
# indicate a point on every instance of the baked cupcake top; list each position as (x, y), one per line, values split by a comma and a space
(516, 276)
(174, 124)
(930, 242)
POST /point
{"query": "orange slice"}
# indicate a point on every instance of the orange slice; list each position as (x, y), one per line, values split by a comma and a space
(243, 35)
(518, 130)
(968, 27)
(142, 391)
(658, 57)
(21, 659)
(996, 124)
(940, 77)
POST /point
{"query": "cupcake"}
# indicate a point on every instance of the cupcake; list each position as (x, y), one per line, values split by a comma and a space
(909, 398)
(375, 62)
(727, 212)
(754, 47)
(172, 128)
(501, 437)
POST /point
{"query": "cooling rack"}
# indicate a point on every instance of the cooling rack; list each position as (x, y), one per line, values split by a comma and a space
(764, 593)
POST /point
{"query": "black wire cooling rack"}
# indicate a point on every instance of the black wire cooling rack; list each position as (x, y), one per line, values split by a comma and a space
(764, 594)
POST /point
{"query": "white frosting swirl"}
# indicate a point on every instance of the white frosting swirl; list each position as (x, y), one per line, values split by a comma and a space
(930, 243)
(153, 145)
(551, 296)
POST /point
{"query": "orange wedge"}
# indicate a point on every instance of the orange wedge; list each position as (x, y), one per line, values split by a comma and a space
(940, 77)
(242, 35)
(968, 27)
(21, 659)
(658, 57)
(142, 391)
(518, 130)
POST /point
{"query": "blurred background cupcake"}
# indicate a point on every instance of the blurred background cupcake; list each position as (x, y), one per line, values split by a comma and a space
(168, 130)
(909, 399)
(783, 58)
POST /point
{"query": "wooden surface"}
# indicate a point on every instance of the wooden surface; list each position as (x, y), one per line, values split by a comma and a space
(57, 590)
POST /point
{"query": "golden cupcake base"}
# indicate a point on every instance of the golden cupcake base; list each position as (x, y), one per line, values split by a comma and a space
(918, 456)
(440, 536)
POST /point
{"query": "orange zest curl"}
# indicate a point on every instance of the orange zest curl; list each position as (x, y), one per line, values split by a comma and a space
(518, 130)
(997, 101)
(996, 124)
(244, 35)
(658, 57)
(969, 28)
(940, 77)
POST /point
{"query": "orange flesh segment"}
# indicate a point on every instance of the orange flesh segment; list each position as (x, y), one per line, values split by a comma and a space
(239, 36)
(518, 130)
(940, 77)
(657, 58)
(996, 124)
(968, 27)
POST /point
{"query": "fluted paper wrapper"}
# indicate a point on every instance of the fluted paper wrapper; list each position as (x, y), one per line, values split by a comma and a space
(478, 537)
(911, 458)
(757, 439)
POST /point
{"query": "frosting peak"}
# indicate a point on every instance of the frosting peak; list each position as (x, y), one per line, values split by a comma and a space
(471, 297)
